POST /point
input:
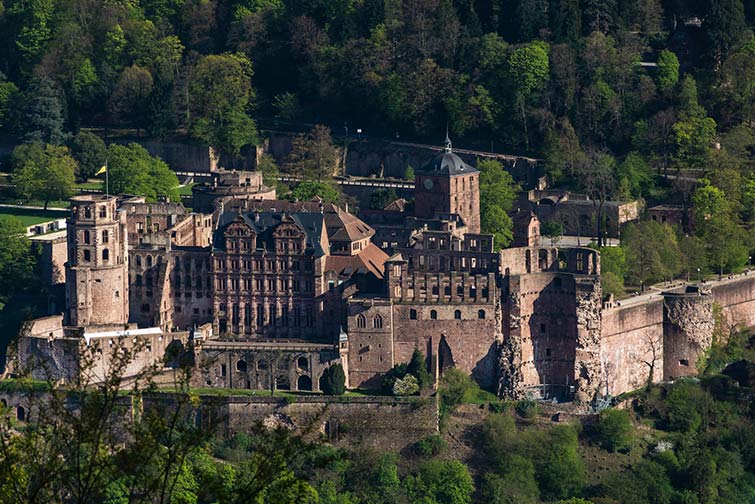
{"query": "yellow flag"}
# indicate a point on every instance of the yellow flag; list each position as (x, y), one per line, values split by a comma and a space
(101, 170)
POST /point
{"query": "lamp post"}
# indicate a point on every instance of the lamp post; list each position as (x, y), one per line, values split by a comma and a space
(699, 276)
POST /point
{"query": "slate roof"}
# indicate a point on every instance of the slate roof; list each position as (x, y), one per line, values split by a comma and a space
(264, 223)
(449, 164)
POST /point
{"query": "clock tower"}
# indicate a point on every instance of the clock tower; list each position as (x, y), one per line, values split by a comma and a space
(447, 185)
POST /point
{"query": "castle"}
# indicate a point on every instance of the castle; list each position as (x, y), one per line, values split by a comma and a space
(270, 293)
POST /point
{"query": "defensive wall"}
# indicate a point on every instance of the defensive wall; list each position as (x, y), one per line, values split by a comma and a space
(377, 422)
(666, 333)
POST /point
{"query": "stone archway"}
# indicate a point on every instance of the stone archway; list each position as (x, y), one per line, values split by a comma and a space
(304, 383)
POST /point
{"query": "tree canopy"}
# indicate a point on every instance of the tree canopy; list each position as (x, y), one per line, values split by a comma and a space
(131, 170)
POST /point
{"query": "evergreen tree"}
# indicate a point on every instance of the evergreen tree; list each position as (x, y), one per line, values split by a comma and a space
(333, 381)
(41, 118)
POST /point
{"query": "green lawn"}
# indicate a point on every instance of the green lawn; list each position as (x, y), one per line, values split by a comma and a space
(31, 217)
(186, 190)
(92, 184)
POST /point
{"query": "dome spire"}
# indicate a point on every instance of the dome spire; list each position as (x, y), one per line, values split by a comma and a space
(448, 141)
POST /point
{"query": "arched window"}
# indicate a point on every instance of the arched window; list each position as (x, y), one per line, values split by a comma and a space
(481, 314)
(105, 255)
(433, 315)
(149, 260)
(241, 366)
(413, 314)
(138, 260)
(377, 322)
(457, 315)
(361, 321)
(302, 363)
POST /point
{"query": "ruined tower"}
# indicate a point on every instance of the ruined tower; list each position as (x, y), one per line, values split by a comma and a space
(97, 269)
(447, 185)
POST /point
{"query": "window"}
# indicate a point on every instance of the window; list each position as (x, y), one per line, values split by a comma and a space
(138, 260)
(149, 261)
(87, 256)
(105, 255)
(138, 280)
(377, 322)
(547, 352)
(87, 213)
(241, 366)
(683, 362)
(433, 315)
(481, 314)
(413, 314)
(361, 321)
(103, 211)
(457, 315)
(87, 238)
(105, 237)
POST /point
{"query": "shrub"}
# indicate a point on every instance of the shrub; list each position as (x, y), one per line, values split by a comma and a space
(333, 380)
(527, 409)
(614, 430)
(389, 379)
(418, 368)
(405, 386)
(430, 446)
(454, 386)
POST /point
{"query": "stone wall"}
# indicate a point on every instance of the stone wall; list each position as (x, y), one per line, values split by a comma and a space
(382, 423)
(632, 344)
(737, 298)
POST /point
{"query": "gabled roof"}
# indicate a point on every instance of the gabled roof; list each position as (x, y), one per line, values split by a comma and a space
(264, 223)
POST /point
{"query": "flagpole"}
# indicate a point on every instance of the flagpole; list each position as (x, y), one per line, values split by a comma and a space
(107, 179)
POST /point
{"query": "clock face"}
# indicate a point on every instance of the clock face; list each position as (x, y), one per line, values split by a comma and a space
(428, 184)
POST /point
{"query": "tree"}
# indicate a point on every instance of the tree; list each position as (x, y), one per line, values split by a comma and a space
(667, 71)
(553, 230)
(418, 368)
(724, 26)
(314, 156)
(527, 70)
(333, 381)
(614, 429)
(8, 96)
(636, 175)
(130, 97)
(131, 170)
(560, 471)
(307, 190)
(497, 194)
(16, 259)
(517, 484)
(41, 118)
(381, 198)
(444, 482)
(597, 175)
(90, 152)
(44, 172)
(652, 253)
(220, 91)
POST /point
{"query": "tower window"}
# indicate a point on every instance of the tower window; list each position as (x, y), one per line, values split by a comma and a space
(377, 322)
(433, 315)
(105, 255)
(481, 314)
(103, 211)
(105, 237)
(413, 314)
(87, 213)
(87, 238)
(87, 255)
(361, 321)
(457, 314)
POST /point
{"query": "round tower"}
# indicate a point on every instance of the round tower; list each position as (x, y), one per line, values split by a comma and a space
(97, 267)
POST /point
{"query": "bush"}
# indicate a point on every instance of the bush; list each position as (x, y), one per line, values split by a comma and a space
(418, 368)
(430, 446)
(397, 372)
(527, 409)
(614, 430)
(405, 386)
(333, 380)
(454, 386)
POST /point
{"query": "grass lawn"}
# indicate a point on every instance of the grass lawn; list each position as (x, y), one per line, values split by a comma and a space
(31, 217)
(92, 184)
(186, 189)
